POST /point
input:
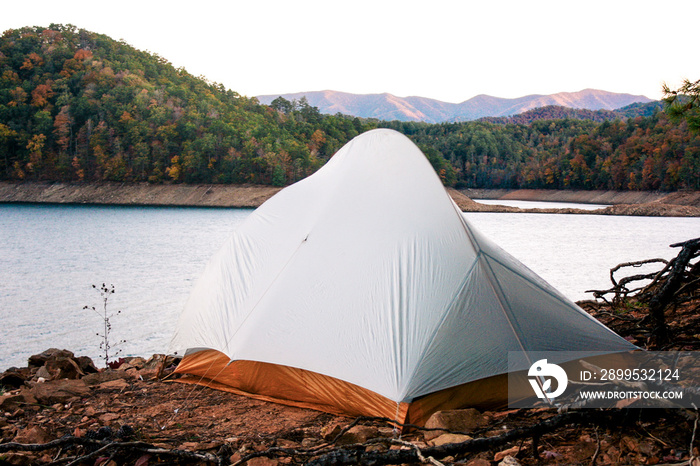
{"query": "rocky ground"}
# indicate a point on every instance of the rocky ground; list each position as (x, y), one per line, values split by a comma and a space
(150, 421)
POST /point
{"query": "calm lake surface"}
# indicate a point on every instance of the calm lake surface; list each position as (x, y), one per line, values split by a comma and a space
(51, 255)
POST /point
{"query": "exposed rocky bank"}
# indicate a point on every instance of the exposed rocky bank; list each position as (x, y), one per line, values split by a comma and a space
(680, 204)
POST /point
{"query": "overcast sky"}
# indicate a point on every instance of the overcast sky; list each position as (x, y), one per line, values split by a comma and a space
(446, 50)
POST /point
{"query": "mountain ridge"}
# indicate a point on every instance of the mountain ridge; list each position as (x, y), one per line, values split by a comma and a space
(386, 106)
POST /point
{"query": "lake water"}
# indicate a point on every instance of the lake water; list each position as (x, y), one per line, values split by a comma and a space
(50, 256)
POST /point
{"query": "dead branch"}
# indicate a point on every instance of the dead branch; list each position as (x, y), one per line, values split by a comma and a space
(106, 446)
(346, 456)
(620, 289)
(674, 281)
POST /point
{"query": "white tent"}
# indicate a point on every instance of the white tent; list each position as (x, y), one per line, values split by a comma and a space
(363, 289)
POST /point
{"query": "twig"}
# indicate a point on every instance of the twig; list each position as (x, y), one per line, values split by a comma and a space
(423, 459)
(597, 449)
(626, 319)
(692, 438)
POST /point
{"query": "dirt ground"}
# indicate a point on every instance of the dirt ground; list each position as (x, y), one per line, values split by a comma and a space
(189, 418)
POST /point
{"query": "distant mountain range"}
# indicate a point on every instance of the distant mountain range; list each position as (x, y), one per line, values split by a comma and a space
(390, 107)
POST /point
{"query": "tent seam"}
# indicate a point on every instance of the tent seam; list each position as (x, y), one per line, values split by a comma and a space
(500, 296)
(443, 318)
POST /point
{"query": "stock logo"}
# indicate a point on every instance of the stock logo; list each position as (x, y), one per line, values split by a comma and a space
(540, 377)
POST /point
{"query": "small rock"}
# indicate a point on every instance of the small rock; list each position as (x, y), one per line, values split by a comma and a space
(136, 362)
(154, 361)
(509, 452)
(456, 420)
(104, 376)
(32, 435)
(479, 462)
(10, 402)
(262, 461)
(358, 434)
(309, 442)
(284, 443)
(86, 365)
(509, 461)
(331, 431)
(449, 438)
(200, 446)
(42, 373)
(109, 417)
(61, 366)
(117, 384)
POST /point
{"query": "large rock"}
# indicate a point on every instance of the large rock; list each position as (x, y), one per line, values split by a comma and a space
(40, 359)
(60, 391)
(60, 364)
(456, 420)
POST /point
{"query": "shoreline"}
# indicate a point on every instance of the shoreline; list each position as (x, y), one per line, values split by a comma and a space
(689, 198)
(638, 203)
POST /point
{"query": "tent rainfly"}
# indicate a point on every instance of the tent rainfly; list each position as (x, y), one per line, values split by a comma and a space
(363, 290)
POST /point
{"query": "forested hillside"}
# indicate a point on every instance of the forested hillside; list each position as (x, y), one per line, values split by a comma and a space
(79, 106)
(639, 153)
(553, 112)
(75, 105)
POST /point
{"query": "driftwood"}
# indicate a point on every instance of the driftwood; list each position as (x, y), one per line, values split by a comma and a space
(677, 282)
(666, 294)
